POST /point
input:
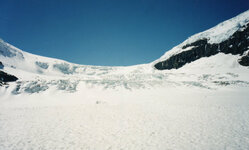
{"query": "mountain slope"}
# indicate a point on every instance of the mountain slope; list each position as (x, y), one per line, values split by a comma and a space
(217, 50)
(229, 37)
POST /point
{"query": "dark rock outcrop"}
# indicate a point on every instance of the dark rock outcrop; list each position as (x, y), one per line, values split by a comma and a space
(244, 60)
(1, 65)
(238, 43)
(5, 77)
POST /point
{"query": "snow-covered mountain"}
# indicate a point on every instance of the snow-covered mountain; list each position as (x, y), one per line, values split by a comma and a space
(194, 97)
(229, 37)
(218, 50)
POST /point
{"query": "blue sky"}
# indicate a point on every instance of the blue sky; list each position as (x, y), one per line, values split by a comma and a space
(109, 32)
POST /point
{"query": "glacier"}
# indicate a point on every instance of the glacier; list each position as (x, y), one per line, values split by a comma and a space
(56, 104)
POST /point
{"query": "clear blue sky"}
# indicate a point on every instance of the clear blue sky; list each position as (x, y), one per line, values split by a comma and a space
(109, 32)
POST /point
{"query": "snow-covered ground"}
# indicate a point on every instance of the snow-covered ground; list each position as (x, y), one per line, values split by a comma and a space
(166, 118)
(203, 105)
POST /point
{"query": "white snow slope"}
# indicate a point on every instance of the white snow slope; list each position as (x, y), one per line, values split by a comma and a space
(217, 34)
(59, 105)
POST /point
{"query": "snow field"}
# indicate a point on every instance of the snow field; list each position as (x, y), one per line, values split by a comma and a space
(150, 119)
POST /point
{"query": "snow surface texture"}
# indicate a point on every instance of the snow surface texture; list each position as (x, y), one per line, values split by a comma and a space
(146, 119)
(217, 34)
(59, 105)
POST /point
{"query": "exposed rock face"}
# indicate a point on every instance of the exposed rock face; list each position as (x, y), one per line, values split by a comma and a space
(4, 77)
(1, 65)
(244, 60)
(238, 43)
